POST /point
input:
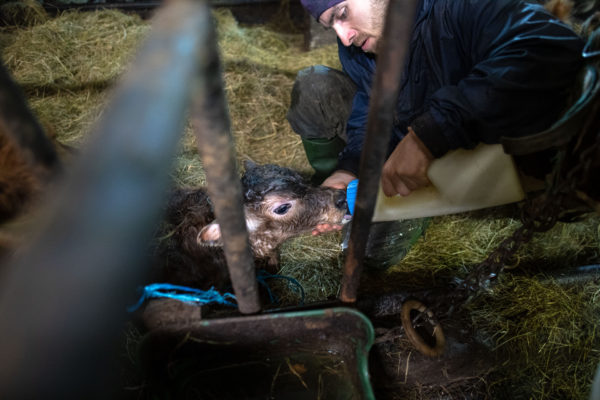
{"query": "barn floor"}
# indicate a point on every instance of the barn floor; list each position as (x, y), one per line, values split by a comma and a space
(532, 337)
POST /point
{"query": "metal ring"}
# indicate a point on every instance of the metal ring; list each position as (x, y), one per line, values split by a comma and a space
(514, 265)
(414, 337)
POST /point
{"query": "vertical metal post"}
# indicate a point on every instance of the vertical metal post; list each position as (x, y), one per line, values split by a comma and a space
(390, 65)
(63, 299)
(210, 120)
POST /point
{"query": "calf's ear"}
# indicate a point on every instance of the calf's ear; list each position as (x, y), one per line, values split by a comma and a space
(249, 164)
(210, 235)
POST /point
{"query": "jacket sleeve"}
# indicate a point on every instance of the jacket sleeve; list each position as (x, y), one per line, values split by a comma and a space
(360, 67)
(523, 63)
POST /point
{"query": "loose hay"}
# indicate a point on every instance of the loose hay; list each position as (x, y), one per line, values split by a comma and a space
(260, 67)
(315, 262)
(74, 55)
(544, 335)
(69, 114)
(23, 13)
(454, 244)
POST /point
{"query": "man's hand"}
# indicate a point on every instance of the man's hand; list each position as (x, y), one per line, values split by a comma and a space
(406, 168)
(338, 180)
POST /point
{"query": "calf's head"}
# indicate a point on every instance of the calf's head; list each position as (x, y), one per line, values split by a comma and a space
(280, 204)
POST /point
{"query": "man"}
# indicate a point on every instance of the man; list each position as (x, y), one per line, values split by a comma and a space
(477, 70)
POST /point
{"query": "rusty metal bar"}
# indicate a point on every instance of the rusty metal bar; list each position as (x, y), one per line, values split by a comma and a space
(210, 119)
(390, 62)
(63, 299)
(22, 126)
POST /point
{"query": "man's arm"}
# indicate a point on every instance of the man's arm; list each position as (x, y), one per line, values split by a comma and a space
(517, 86)
(339, 179)
(517, 65)
(406, 168)
(360, 67)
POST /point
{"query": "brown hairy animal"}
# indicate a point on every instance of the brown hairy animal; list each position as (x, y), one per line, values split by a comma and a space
(24, 178)
(19, 181)
(278, 204)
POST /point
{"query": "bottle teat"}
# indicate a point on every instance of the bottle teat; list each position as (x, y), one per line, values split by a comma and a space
(351, 195)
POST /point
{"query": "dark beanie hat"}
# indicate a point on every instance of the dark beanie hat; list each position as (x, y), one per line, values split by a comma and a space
(316, 7)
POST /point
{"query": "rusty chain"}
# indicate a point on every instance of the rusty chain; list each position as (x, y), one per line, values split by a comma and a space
(538, 214)
(541, 213)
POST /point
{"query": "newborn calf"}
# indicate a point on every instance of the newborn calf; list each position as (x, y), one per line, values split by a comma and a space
(278, 205)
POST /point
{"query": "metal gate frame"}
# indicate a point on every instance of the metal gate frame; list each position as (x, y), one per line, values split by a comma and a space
(62, 299)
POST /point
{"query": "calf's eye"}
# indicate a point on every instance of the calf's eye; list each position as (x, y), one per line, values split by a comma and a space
(282, 209)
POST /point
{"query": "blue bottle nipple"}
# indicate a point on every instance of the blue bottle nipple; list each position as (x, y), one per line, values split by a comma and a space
(351, 195)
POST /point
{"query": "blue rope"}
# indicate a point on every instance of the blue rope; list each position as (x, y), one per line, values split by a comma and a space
(261, 277)
(184, 294)
(210, 296)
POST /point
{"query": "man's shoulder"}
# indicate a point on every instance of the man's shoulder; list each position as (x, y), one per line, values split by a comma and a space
(471, 9)
(352, 58)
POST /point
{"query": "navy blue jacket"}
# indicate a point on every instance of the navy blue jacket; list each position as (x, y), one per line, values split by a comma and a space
(477, 70)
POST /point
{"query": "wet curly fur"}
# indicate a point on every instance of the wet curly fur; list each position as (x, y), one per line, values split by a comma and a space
(278, 205)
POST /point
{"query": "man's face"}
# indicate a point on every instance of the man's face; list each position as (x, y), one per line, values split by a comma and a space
(357, 22)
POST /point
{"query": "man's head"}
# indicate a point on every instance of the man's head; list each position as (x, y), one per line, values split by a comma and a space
(316, 7)
(356, 22)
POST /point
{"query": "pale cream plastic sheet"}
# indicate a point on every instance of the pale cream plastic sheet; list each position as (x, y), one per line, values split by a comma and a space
(463, 180)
